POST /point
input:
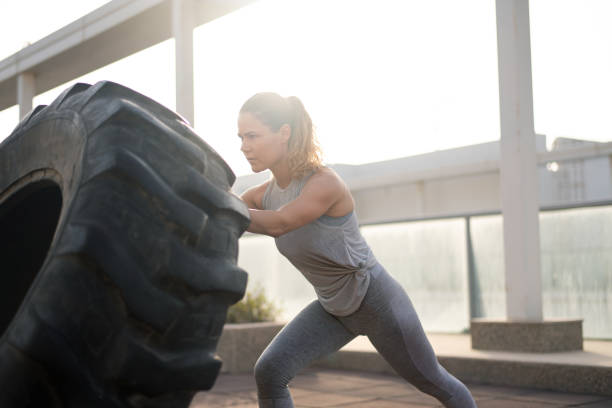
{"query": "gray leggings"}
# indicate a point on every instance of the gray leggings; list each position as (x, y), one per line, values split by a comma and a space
(387, 317)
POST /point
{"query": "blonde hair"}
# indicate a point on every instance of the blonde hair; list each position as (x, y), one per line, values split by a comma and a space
(303, 153)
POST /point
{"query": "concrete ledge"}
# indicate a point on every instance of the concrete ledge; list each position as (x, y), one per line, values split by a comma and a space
(588, 371)
(547, 376)
(533, 374)
(241, 344)
(526, 336)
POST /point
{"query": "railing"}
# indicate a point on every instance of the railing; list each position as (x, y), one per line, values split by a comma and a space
(452, 266)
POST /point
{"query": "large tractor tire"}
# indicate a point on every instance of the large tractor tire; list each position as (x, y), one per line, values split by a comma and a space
(118, 247)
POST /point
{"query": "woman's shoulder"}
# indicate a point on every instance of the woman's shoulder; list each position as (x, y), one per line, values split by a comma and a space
(326, 175)
(326, 181)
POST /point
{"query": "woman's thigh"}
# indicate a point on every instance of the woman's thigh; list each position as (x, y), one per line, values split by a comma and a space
(312, 334)
(390, 321)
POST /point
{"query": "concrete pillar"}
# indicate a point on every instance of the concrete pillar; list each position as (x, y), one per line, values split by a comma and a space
(26, 91)
(524, 328)
(183, 23)
(518, 168)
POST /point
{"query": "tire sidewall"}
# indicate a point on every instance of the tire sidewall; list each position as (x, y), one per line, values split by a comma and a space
(50, 149)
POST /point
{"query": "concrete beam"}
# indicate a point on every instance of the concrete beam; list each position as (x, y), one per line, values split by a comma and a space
(112, 32)
(518, 164)
(432, 166)
(575, 153)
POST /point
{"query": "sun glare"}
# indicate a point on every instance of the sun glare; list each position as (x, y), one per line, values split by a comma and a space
(375, 78)
(381, 79)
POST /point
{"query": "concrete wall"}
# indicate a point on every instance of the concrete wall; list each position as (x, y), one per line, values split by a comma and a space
(438, 197)
(459, 181)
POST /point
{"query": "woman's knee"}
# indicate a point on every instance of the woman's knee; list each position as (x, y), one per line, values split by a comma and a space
(272, 380)
(262, 367)
(268, 369)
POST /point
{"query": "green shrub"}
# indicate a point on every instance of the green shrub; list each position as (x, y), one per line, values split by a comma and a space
(254, 307)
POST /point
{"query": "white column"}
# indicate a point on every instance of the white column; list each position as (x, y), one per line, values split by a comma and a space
(182, 28)
(26, 91)
(519, 188)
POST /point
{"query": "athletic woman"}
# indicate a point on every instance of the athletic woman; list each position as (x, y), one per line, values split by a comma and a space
(309, 211)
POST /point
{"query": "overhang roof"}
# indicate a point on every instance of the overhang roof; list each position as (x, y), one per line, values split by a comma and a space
(112, 32)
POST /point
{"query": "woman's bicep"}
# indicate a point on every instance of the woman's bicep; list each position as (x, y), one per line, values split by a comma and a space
(253, 197)
(317, 197)
(248, 199)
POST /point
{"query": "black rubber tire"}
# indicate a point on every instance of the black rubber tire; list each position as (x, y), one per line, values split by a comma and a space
(118, 242)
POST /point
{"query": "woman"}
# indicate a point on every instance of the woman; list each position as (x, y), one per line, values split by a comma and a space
(310, 212)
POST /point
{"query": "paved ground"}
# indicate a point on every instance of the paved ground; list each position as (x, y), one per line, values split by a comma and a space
(331, 388)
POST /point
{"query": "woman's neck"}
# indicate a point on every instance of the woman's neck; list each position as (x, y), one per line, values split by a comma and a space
(282, 175)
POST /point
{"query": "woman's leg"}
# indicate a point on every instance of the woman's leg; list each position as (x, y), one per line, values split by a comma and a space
(312, 334)
(388, 318)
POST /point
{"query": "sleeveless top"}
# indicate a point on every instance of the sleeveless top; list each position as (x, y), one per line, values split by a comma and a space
(330, 252)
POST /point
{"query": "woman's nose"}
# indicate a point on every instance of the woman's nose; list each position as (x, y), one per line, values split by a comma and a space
(243, 145)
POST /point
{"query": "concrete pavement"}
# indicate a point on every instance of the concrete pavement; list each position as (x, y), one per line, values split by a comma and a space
(323, 388)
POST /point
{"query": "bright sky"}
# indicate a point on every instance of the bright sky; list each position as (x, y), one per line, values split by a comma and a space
(382, 79)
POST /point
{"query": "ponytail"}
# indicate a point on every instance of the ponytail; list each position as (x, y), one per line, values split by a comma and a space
(304, 149)
(304, 153)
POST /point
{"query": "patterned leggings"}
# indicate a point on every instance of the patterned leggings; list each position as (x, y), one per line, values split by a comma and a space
(387, 317)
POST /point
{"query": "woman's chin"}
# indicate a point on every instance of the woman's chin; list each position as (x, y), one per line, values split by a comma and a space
(256, 169)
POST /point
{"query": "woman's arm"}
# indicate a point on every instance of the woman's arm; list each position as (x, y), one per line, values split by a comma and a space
(254, 196)
(323, 193)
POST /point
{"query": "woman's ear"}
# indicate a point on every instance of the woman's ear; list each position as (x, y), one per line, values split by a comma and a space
(285, 132)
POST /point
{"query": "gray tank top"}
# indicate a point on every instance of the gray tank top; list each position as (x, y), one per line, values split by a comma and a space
(330, 252)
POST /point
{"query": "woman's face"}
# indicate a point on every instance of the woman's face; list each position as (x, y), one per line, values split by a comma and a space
(262, 147)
